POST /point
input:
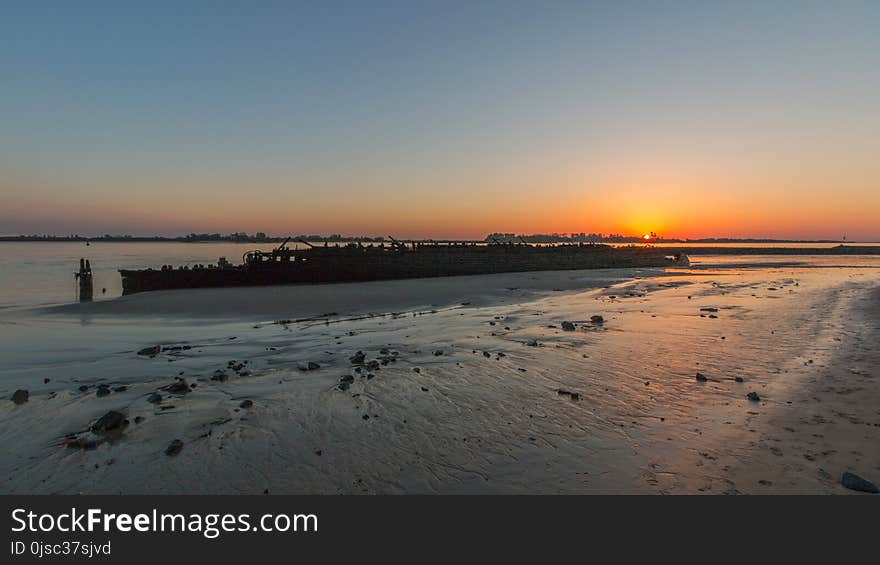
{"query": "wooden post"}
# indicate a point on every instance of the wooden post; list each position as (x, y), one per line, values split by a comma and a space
(84, 278)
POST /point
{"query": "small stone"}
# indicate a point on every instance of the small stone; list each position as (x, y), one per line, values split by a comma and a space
(532, 343)
(177, 387)
(701, 377)
(20, 396)
(438, 352)
(154, 398)
(246, 403)
(597, 319)
(312, 366)
(424, 389)
(46, 380)
(343, 386)
(358, 358)
(150, 351)
(110, 421)
(855, 482)
(753, 396)
(567, 327)
(739, 379)
(346, 379)
(103, 390)
(83, 388)
(417, 370)
(174, 448)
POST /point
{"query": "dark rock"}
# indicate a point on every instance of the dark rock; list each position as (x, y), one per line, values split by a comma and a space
(343, 386)
(177, 387)
(575, 396)
(373, 365)
(855, 482)
(358, 358)
(154, 398)
(150, 351)
(424, 389)
(417, 370)
(219, 375)
(346, 379)
(312, 366)
(597, 319)
(174, 448)
(701, 377)
(438, 352)
(46, 380)
(103, 390)
(318, 452)
(138, 419)
(487, 354)
(707, 309)
(83, 388)
(246, 403)
(532, 343)
(20, 396)
(110, 421)
(739, 379)
(567, 327)
(81, 443)
(753, 396)
(366, 416)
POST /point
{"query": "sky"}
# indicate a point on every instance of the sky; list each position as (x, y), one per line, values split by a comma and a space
(441, 119)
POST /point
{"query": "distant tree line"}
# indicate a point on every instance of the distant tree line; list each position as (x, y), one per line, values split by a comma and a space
(619, 238)
(261, 237)
(238, 237)
(567, 238)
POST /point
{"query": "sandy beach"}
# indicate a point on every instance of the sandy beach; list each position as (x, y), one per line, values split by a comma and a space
(460, 385)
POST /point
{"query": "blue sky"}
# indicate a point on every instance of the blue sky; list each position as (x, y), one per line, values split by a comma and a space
(458, 117)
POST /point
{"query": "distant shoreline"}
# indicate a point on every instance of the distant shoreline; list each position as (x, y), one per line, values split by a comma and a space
(351, 239)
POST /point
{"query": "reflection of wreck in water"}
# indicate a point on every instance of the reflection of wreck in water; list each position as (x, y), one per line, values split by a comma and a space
(355, 262)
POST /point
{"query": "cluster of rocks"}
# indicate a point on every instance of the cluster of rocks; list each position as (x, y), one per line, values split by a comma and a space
(238, 367)
(568, 393)
(367, 369)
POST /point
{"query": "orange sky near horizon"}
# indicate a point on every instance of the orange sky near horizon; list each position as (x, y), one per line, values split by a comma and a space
(684, 204)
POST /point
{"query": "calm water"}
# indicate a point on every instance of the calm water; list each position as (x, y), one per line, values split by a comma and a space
(41, 273)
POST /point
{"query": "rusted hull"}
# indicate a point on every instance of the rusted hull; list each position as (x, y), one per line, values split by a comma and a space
(335, 265)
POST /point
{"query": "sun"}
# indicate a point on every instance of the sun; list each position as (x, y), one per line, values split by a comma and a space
(646, 237)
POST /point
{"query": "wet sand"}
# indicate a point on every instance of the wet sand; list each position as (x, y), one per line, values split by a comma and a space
(465, 398)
